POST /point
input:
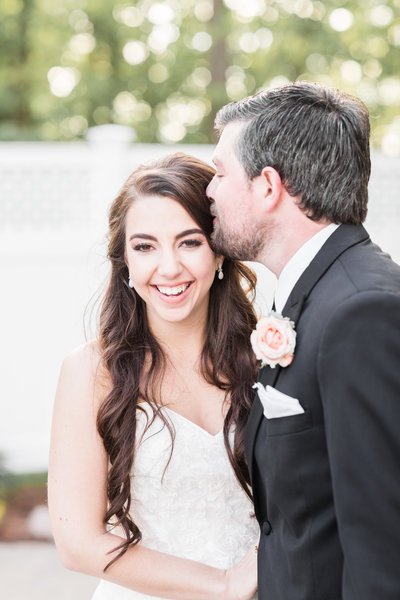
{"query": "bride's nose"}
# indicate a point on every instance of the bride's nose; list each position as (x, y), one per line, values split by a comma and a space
(169, 265)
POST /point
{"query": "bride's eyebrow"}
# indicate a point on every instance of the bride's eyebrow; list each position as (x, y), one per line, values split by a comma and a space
(143, 236)
(146, 236)
(189, 232)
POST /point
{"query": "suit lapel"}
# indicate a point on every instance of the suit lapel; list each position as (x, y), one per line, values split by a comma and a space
(342, 238)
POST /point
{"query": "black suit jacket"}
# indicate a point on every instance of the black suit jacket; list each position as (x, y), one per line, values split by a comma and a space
(326, 483)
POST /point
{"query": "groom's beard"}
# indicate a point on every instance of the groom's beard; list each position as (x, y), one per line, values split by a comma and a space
(246, 245)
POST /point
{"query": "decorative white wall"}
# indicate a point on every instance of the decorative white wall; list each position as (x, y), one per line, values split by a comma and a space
(53, 211)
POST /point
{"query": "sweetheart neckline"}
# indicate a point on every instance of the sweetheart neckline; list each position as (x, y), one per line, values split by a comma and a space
(213, 435)
(190, 422)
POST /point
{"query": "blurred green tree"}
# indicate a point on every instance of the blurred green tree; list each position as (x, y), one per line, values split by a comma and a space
(165, 67)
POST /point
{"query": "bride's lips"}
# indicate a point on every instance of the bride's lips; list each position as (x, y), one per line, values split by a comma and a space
(173, 298)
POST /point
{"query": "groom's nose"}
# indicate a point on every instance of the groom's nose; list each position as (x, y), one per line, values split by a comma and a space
(210, 187)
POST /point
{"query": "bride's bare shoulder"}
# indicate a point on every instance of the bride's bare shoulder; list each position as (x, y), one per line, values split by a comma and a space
(86, 356)
(85, 366)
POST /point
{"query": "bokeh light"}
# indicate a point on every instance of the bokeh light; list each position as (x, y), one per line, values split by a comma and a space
(351, 71)
(162, 36)
(82, 43)
(125, 62)
(247, 9)
(389, 91)
(134, 52)
(341, 19)
(130, 16)
(62, 80)
(381, 15)
(79, 21)
(160, 13)
(202, 41)
(158, 73)
(204, 10)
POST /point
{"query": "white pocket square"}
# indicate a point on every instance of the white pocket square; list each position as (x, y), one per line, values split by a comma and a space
(276, 404)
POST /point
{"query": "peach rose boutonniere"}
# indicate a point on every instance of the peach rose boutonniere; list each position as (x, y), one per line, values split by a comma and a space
(274, 340)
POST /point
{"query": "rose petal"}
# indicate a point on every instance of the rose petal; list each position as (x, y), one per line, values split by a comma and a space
(274, 339)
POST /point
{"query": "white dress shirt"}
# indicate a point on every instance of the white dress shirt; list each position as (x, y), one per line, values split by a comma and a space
(293, 270)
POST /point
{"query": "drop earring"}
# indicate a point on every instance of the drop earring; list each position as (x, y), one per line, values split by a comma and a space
(220, 271)
(130, 282)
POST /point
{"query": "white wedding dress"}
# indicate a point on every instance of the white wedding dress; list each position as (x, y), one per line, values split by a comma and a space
(195, 508)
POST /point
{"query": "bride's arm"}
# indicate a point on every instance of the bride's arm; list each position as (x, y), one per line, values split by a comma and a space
(77, 503)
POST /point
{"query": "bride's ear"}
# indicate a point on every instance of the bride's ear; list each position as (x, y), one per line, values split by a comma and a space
(219, 260)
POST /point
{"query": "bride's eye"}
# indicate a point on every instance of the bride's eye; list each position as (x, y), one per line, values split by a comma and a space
(142, 247)
(191, 243)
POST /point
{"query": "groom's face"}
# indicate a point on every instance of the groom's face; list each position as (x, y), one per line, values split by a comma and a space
(234, 202)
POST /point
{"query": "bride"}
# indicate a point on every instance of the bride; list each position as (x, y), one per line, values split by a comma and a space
(148, 485)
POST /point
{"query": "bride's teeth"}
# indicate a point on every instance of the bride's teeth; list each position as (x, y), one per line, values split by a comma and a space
(173, 291)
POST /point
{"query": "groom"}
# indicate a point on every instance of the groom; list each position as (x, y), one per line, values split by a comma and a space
(323, 437)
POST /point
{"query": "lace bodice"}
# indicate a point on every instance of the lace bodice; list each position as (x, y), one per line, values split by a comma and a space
(191, 506)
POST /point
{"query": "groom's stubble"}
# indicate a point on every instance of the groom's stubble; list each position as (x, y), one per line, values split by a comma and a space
(246, 244)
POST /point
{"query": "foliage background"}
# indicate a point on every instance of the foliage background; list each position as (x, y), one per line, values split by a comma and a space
(164, 68)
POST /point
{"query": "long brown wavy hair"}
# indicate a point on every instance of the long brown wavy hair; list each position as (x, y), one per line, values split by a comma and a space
(135, 361)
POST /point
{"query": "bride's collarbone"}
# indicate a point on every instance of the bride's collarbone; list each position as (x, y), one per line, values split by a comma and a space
(196, 400)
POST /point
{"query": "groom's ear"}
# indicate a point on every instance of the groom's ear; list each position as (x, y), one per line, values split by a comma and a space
(271, 187)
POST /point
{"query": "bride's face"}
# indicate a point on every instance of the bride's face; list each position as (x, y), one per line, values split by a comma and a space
(170, 262)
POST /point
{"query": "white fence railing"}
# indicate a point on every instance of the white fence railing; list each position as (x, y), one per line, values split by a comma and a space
(53, 210)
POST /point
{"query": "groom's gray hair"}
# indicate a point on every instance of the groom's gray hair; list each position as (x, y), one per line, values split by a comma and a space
(316, 138)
